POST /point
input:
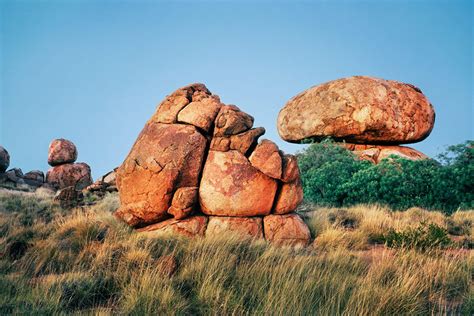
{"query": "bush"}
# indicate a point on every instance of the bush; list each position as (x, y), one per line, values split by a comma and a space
(333, 176)
(424, 237)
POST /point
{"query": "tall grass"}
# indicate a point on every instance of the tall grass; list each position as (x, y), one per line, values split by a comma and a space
(84, 260)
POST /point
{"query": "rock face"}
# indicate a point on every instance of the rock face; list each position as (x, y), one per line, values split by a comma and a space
(77, 175)
(376, 154)
(197, 160)
(358, 110)
(4, 159)
(61, 151)
(286, 229)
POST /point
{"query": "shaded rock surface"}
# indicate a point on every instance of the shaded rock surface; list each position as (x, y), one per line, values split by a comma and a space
(358, 110)
(245, 227)
(4, 159)
(189, 227)
(376, 154)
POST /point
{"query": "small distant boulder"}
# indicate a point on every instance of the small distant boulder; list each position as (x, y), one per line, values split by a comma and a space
(4, 159)
(34, 178)
(61, 151)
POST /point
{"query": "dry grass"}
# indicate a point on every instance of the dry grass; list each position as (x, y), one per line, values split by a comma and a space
(86, 261)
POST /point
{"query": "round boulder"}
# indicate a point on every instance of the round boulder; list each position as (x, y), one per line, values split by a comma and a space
(358, 110)
(61, 151)
(4, 159)
(77, 175)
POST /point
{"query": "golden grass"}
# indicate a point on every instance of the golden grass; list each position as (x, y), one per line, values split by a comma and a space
(86, 261)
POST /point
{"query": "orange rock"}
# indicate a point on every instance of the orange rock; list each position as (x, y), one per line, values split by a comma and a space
(230, 186)
(290, 170)
(232, 121)
(245, 227)
(167, 111)
(289, 197)
(201, 113)
(189, 227)
(164, 157)
(359, 110)
(266, 158)
(77, 175)
(184, 200)
(61, 151)
(286, 229)
(375, 154)
(241, 142)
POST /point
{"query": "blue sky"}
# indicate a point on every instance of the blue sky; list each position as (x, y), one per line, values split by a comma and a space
(94, 71)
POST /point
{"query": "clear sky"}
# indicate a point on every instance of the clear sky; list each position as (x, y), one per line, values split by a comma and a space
(94, 71)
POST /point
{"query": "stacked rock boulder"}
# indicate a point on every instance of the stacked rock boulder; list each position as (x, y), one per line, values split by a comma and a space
(64, 171)
(197, 169)
(371, 116)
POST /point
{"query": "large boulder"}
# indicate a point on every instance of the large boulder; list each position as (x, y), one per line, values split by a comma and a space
(243, 227)
(231, 186)
(77, 175)
(286, 229)
(4, 159)
(358, 110)
(164, 157)
(376, 154)
(61, 151)
(266, 158)
(289, 197)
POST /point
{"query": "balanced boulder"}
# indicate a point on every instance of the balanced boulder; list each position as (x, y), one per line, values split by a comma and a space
(358, 110)
(61, 151)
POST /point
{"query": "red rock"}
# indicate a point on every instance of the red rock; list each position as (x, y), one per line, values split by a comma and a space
(289, 197)
(183, 203)
(61, 151)
(189, 227)
(232, 121)
(77, 175)
(165, 157)
(242, 142)
(4, 159)
(245, 227)
(358, 110)
(167, 111)
(201, 113)
(290, 170)
(230, 186)
(286, 229)
(266, 158)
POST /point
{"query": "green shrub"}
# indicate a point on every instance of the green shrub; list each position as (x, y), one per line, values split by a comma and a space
(424, 237)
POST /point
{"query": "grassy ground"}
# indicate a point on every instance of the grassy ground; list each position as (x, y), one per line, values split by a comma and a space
(365, 260)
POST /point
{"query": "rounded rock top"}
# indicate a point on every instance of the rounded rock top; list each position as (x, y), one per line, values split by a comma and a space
(4, 159)
(358, 109)
(61, 151)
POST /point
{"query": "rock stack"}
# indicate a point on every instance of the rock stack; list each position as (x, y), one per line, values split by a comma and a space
(372, 116)
(197, 169)
(65, 172)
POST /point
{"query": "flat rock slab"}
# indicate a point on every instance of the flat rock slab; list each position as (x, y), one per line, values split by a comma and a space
(243, 227)
(189, 227)
(358, 110)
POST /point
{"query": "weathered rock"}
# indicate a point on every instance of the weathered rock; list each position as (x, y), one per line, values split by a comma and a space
(61, 151)
(286, 229)
(14, 175)
(189, 227)
(34, 178)
(231, 186)
(77, 175)
(290, 169)
(245, 227)
(376, 154)
(289, 197)
(266, 158)
(359, 110)
(242, 142)
(232, 121)
(167, 111)
(4, 159)
(184, 201)
(165, 157)
(201, 113)
(68, 197)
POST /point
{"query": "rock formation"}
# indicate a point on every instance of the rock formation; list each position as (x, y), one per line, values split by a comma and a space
(4, 159)
(368, 114)
(14, 178)
(197, 169)
(65, 172)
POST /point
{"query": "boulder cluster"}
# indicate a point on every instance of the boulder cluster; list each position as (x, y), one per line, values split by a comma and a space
(14, 178)
(197, 169)
(371, 116)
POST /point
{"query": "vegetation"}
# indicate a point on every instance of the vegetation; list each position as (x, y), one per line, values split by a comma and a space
(333, 176)
(85, 261)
